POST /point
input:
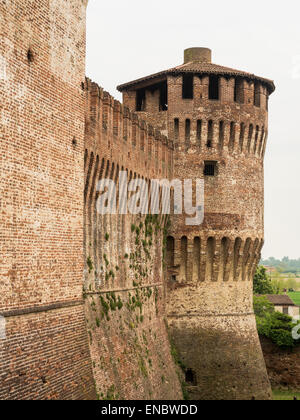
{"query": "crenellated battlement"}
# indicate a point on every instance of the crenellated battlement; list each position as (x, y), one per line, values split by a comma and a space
(123, 276)
(85, 295)
(125, 136)
(217, 118)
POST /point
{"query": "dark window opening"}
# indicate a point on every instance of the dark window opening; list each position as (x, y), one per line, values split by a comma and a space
(190, 377)
(209, 134)
(238, 91)
(286, 310)
(163, 97)
(140, 100)
(30, 56)
(257, 94)
(199, 131)
(174, 278)
(210, 168)
(188, 86)
(214, 87)
(176, 128)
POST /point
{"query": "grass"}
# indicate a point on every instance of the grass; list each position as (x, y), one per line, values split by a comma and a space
(285, 395)
(295, 296)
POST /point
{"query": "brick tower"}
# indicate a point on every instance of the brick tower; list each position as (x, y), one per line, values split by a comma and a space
(42, 68)
(218, 119)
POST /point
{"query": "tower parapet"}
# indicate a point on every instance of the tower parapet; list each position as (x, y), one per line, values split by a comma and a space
(218, 120)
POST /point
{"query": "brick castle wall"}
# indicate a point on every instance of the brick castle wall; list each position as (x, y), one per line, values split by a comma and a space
(210, 267)
(124, 288)
(42, 66)
(84, 295)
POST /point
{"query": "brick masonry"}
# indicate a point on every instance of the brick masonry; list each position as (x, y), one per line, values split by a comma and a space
(124, 288)
(87, 298)
(59, 133)
(42, 53)
(210, 268)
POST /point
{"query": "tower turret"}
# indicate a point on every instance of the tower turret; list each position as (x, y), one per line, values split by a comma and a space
(218, 119)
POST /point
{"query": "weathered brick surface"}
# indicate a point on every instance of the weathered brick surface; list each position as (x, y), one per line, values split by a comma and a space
(211, 267)
(42, 64)
(50, 225)
(85, 295)
(45, 356)
(124, 290)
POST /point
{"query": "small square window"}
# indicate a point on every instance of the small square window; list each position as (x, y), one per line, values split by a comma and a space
(210, 168)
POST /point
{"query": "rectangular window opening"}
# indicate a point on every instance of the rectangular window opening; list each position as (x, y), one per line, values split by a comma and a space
(163, 97)
(210, 168)
(140, 100)
(188, 86)
(214, 87)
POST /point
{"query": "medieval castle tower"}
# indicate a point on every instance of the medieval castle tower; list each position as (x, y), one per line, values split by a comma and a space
(85, 296)
(218, 119)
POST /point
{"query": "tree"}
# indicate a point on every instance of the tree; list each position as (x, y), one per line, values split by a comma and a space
(273, 325)
(262, 306)
(262, 284)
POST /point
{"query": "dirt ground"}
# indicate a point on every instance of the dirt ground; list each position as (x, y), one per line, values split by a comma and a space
(283, 366)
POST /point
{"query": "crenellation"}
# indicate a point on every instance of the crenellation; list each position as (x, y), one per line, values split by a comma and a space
(99, 286)
(42, 145)
(218, 121)
(227, 90)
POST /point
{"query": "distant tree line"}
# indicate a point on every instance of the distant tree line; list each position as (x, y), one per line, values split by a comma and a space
(264, 284)
(285, 265)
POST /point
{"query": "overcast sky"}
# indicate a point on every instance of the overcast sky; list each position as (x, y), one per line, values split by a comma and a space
(134, 38)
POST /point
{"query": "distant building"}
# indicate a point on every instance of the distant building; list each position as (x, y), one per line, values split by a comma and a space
(285, 305)
(270, 270)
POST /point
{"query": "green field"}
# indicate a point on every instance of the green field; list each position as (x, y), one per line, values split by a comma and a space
(295, 297)
(285, 395)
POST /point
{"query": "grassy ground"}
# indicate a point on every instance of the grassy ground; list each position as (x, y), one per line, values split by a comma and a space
(285, 395)
(295, 297)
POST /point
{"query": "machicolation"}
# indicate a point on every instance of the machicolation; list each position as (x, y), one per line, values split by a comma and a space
(125, 306)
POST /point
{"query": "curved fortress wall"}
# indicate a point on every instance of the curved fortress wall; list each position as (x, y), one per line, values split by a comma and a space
(82, 294)
(42, 65)
(218, 119)
(124, 290)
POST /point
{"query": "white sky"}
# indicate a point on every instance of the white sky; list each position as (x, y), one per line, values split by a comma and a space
(134, 38)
